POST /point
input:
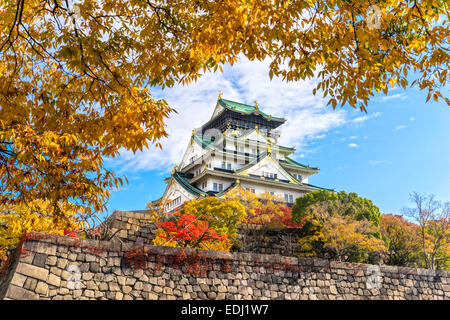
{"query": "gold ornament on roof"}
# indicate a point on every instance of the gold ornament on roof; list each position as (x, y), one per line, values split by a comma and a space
(236, 133)
(220, 95)
(269, 146)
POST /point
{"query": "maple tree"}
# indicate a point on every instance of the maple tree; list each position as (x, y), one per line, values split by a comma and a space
(402, 240)
(190, 232)
(75, 79)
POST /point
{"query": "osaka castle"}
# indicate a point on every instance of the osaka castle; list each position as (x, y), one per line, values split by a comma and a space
(237, 146)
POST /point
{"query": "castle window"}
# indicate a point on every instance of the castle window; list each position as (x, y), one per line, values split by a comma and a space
(289, 198)
(226, 165)
(269, 175)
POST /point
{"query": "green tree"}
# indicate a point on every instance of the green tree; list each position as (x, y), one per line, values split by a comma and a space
(337, 206)
(344, 203)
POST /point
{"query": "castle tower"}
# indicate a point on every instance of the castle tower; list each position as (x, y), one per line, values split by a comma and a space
(237, 146)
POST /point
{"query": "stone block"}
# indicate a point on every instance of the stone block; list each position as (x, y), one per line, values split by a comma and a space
(89, 293)
(62, 263)
(46, 248)
(54, 280)
(119, 296)
(42, 288)
(18, 280)
(32, 271)
(18, 293)
(51, 260)
(40, 259)
(114, 286)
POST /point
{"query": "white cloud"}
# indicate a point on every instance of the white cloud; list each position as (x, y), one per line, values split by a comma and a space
(394, 96)
(352, 145)
(400, 127)
(353, 137)
(307, 115)
(367, 117)
(412, 118)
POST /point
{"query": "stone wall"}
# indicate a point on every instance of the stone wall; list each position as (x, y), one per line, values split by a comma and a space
(55, 267)
(259, 239)
(130, 227)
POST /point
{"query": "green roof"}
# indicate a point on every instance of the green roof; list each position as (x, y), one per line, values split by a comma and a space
(202, 142)
(316, 187)
(219, 194)
(304, 185)
(247, 109)
(253, 162)
(297, 164)
(181, 179)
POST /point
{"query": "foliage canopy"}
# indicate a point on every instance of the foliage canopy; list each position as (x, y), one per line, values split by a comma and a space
(402, 240)
(75, 80)
(347, 204)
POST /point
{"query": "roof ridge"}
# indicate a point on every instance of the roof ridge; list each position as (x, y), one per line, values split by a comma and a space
(298, 163)
(223, 102)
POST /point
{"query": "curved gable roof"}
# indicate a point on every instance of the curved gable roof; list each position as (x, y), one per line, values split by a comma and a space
(247, 109)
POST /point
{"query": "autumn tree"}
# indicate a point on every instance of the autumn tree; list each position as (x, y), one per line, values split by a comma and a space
(222, 215)
(402, 240)
(188, 231)
(337, 235)
(76, 80)
(345, 203)
(17, 219)
(263, 208)
(266, 211)
(433, 219)
(207, 223)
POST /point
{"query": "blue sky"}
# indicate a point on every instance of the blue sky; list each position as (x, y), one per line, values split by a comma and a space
(401, 145)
